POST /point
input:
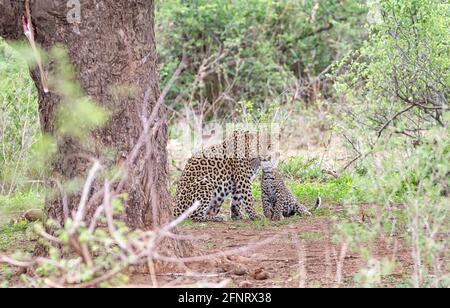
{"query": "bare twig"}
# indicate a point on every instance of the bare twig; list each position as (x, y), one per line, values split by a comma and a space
(29, 33)
(392, 119)
(180, 219)
(359, 155)
(301, 261)
(340, 264)
(81, 212)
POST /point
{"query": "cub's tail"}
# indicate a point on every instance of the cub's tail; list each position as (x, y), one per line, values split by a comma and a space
(306, 211)
(318, 204)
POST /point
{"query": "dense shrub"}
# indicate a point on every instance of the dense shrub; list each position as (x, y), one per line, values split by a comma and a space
(255, 50)
(19, 120)
(399, 79)
(395, 115)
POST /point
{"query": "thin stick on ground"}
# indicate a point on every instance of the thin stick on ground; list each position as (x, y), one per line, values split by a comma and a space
(340, 264)
(301, 262)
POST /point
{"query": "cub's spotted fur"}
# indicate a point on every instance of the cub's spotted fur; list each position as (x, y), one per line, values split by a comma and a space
(213, 174)
(278, 201)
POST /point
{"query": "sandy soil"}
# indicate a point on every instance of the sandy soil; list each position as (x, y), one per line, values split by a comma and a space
(302, 254)
(298, 252)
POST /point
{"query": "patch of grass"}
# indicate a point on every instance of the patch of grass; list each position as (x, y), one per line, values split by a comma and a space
(22, 201)
(261, 223)
(173, 187)
(11, 206)
(256, 189)
(331, 191)
(188, 222)
(17, 236)
(323, 212)
(12, 234)
(298, 168)
(311, 236)
(307, 181)
(288, 221)
(18, 114)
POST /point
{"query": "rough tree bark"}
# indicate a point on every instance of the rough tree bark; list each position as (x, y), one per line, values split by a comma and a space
(113, 45)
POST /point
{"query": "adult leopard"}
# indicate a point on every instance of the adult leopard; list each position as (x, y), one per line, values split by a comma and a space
(216, 172)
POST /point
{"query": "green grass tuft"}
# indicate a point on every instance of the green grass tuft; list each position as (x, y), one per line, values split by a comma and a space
(307, 181)
(12, 234)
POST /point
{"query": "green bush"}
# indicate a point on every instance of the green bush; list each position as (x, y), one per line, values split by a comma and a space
(395, 114)
(19, 121)
(251, 50)
(298, 168)
(398, 81)
(410, 188)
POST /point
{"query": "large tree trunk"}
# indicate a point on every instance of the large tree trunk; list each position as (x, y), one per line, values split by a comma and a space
(113, 45)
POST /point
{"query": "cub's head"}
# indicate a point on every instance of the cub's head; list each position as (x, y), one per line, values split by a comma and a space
(268, 163)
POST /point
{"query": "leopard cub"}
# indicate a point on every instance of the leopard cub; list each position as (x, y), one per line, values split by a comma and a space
(277, 199)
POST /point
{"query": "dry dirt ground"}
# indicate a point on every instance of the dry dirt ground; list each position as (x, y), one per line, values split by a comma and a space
(297, 252)
(301, 253)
